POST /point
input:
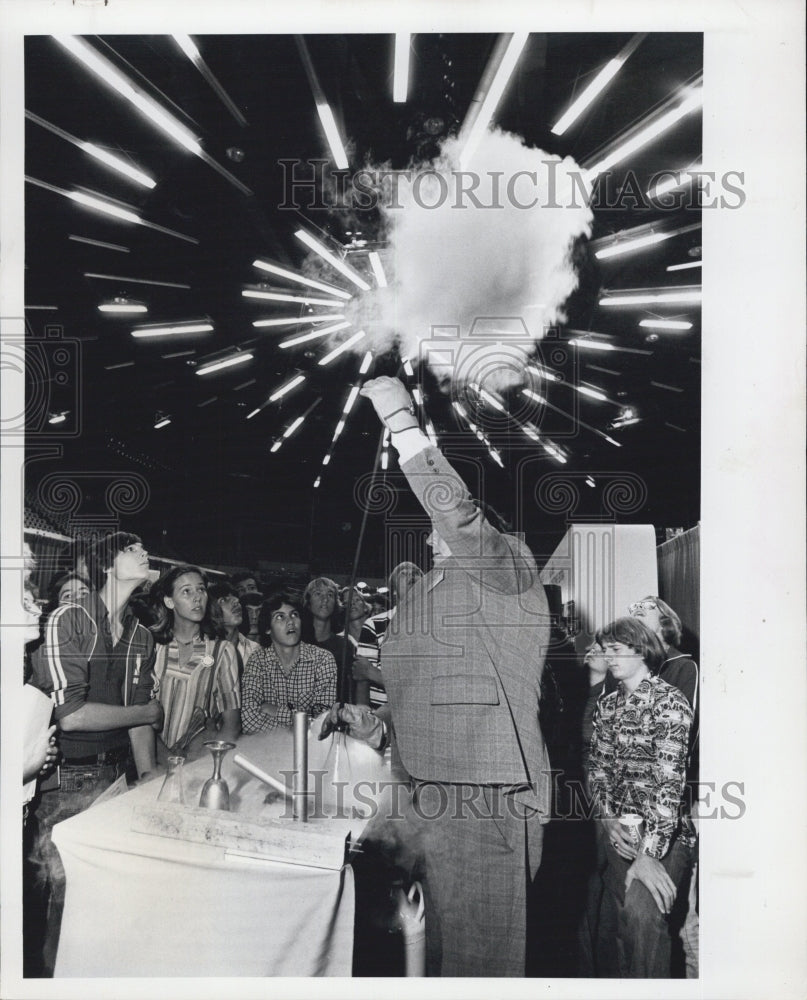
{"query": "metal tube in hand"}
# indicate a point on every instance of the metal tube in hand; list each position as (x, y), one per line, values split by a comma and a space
(300, 785)
(254, 770)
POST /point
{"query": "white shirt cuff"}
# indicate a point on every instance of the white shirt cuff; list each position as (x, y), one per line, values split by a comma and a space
(409, 443)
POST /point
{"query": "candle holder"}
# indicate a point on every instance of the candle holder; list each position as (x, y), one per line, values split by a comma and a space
(216, 792)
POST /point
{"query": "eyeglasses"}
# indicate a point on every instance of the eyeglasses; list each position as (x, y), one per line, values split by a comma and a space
(642, 606)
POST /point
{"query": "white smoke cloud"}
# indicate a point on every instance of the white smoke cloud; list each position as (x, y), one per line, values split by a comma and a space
(490, 263)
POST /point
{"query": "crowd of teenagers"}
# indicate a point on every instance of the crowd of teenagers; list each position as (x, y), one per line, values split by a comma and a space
(138, 671)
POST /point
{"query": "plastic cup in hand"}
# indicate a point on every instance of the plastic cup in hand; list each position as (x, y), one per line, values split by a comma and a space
(633, 823)
(216, 793)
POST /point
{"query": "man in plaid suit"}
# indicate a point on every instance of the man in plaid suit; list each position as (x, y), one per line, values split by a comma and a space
(462, 664)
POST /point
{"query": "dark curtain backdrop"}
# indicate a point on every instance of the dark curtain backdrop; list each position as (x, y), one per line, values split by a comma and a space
(679, 564)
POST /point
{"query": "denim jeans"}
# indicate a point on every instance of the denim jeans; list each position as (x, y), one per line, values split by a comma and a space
(44, 860)
(635, 938)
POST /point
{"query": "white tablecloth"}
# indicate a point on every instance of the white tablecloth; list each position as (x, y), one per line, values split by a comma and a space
(144, 905)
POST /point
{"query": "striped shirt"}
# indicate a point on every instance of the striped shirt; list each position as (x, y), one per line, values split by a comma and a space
(79, 663)
(183, 688)
(309, 686)
(370, 639)
(638, 760)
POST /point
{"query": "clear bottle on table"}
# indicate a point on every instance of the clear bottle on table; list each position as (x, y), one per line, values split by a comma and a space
(173, 788)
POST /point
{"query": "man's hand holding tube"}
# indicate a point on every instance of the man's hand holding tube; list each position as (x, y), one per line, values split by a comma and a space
(361, 724)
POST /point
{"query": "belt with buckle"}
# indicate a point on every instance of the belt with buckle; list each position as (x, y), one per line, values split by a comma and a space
(104, 758)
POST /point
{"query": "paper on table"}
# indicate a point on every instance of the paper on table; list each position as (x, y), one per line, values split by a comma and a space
(119, 787)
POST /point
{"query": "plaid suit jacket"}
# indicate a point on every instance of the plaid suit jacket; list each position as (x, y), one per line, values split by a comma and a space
(464, 652)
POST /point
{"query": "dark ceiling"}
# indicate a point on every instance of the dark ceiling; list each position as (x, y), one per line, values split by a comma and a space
(216, 492)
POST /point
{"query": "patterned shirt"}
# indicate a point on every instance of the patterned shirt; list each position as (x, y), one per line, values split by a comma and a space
(372, 635)
(638, 760)
(183, 688)
(309, 686)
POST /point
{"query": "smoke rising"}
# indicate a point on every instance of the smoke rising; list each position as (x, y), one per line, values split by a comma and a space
(484, 254)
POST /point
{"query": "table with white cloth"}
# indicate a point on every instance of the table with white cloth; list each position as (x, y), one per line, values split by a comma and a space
(140, 904)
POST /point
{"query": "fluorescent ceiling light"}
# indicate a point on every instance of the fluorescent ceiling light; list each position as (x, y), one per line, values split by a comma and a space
(339, 428)
(673, 182)
(105, 70)
(597, 85)
(593, 345)
(98, 243)
(400, 85)
(366, 361)
(378, 269)
(215, 366)
(343, 347)
(134, 281)
(593, 393)
(550, 449)
(297, 320)
(287, 433)
(651, 299)
(351, 399)
(118, 164)
(277, 445)
(188, 46)
(533, 395)
(589, 481)
(685, 267)
(297, 380)
(327, 460)
(544, 373)
(317, 481)
(691, 102)
(118, 211)
(332, 135)
(57, 418)
(170, 331)
(248, 293)
(185, 42)
(314, 335)
(254, 413)
(626, 246)
(122, 307)
(104, 206)
(665, 324)
(162, 423)
(301, 280)
(332, 259)
(491, 399)
(384, 460)
(514, 48)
